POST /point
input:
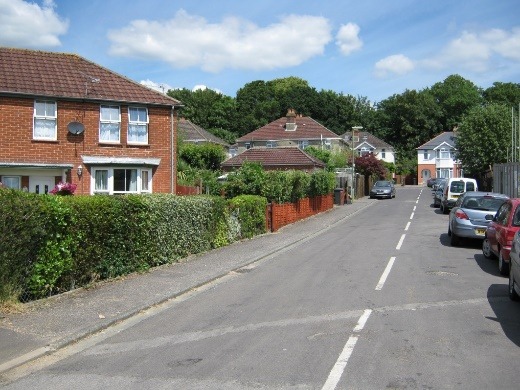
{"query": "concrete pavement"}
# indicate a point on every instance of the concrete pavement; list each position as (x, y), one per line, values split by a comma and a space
(47, 325)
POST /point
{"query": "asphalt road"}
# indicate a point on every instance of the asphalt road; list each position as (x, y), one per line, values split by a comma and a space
(379, 301)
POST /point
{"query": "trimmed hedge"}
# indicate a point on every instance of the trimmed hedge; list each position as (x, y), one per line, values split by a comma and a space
(51, 244)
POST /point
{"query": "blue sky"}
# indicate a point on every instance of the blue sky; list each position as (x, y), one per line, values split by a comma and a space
(370, 48)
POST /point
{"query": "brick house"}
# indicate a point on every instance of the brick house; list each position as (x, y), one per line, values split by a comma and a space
(436, 158)
(292, 130)
(64, 118)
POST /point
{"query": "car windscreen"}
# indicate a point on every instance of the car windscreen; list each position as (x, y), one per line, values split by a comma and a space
(382, 184)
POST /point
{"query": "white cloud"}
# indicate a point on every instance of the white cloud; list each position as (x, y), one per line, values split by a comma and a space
(347, 38)
(478, 52)
(159, 87)
(24, 24)
(190, 41)
(396, 64)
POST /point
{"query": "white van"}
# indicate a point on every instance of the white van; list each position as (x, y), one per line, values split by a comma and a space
(453, 189)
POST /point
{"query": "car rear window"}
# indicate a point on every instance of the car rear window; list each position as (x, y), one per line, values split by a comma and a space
(485, 203)
(457, 187)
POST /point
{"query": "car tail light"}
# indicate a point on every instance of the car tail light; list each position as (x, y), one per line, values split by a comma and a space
(510, 235)
(461, 215)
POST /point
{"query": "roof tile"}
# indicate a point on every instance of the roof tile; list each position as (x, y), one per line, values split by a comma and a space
(69, 76)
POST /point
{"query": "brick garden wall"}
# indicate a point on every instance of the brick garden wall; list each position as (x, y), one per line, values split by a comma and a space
(279, 215)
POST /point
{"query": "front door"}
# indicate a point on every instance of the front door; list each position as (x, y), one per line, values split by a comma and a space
(41, 184)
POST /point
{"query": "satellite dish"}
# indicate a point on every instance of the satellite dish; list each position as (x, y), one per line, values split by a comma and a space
(76, 128)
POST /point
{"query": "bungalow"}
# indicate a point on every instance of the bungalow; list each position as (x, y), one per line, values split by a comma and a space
(66, 119)
(292, 130)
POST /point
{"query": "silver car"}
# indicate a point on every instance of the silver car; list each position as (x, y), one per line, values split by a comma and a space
(514, 269)
(383, 189)
(472, 213)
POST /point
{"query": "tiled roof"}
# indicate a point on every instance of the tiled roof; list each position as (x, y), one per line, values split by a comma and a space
(190, 132)
(286, 157)
(306, 128)
(370, 138)
(446, 137)
(68, 76)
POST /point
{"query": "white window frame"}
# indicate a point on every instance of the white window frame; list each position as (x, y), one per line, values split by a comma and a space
(425, 154)
(110, 121)
(139, 123)
(270, 144)
(6, 181)
(143, 180)
(444, 154)
(49, 116)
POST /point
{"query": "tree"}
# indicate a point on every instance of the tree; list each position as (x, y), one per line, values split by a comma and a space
(369, 165)
(483, 138)
(204, 156)
(408, 120)
(505, 93)
(456, 96)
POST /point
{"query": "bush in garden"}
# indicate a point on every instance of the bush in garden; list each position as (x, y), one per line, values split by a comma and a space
(251, 214)
(322, 183)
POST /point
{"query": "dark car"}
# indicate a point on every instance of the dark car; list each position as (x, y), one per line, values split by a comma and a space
(472, 214)
(437, 193)
(431, 181)
(383, 189)
(500, 233)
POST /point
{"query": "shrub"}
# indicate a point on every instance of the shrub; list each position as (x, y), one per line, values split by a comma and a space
(251, 214)
(322, 183)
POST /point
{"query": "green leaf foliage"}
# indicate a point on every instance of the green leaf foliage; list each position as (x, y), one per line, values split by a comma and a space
(484, 138)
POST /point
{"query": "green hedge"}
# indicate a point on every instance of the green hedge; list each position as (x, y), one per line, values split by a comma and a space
(52, 244)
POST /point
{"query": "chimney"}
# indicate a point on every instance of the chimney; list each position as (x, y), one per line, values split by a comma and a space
(290, 123)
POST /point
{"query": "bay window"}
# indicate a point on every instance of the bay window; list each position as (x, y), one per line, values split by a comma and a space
(121, 180)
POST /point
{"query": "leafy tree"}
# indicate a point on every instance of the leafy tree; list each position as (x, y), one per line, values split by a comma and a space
(248, 179)
(202, 156)
(369, 165)
(506, 93)
(483, 138)
(408, 120)
(256, 105)
(207, 108)
(456, 96)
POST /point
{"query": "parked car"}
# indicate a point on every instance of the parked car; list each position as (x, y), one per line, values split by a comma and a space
(514, 269)
(472, 213)
(453, 189)
(438, 183)
(437, 194)
(500, 233)
(383, 189)
(431, 181)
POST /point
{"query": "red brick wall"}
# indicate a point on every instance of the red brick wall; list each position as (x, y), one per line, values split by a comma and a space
(17, 144)
(287, 213)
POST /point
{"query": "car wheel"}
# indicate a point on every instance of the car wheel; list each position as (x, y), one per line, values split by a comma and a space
(503, 267)
(454, 239)
(486, 249)
(445, 210)
(512, 293)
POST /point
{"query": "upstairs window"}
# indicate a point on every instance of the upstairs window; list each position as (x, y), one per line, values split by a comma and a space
(425, 155)
(137, 125)
(270, 144)
(444, 154)
(383, 153)
(303, 143)
(45, 120)
(110, 124)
